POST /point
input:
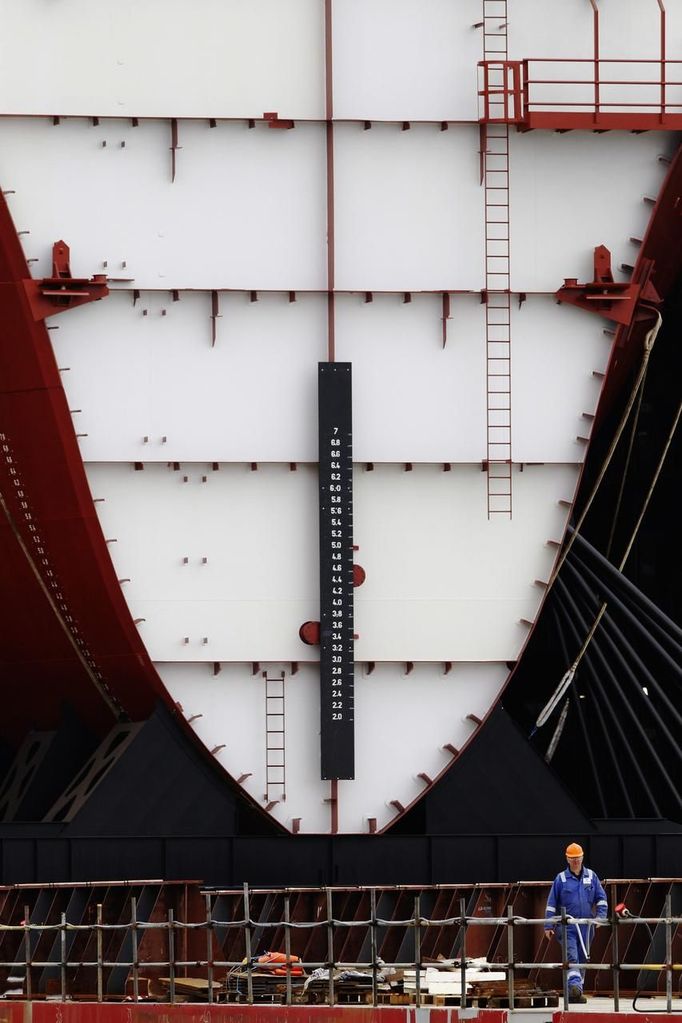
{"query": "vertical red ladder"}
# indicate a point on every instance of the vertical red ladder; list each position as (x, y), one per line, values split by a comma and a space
(275, 779)
(495, 167)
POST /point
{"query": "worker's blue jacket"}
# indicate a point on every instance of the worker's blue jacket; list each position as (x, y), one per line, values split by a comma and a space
(580, 896)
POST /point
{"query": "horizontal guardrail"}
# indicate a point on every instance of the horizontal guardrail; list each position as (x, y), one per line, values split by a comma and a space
(216, 970)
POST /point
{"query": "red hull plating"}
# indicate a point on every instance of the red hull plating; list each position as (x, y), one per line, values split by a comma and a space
(67, 633)
(93, 1012)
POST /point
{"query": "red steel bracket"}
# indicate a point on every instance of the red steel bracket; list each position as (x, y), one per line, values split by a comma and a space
(61, 291)
(611, 299)
(275, 121)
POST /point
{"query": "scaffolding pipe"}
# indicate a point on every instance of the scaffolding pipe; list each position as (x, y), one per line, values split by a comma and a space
(247, 946)
(62, 956)
(330, 945)
(668, 954)
(171, 956)
(373, 941)
(133, 938)
(287, 944)
(463, 954)
(510, 955)
(209, 946)
(27, 951)
(564, 958)
(99, 953)
(417, 949)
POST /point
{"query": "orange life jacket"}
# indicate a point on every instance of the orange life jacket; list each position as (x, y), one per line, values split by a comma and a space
(275, 962)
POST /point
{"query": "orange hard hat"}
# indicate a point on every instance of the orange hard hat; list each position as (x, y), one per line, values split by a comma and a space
(574, 849)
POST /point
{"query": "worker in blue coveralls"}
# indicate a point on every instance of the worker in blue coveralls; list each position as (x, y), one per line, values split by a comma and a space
(579, 891)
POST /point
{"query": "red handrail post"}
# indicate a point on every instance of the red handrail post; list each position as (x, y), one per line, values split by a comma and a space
(525, 90)
(596, 58)
(661, 7)
(484, 91)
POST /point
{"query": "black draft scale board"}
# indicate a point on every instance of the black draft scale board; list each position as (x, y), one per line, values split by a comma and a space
(336, 570)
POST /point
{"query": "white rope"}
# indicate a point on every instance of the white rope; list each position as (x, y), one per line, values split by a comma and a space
(551, 705)
(569, 675)
(558, 731)
(649, 340)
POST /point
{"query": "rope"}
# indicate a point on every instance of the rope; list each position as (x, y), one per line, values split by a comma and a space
(569, 675)
(558, 731)
(650, 492)
(626, 468)
(649, 340)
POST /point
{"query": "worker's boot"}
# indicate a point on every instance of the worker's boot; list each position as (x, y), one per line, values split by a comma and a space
(576, 995)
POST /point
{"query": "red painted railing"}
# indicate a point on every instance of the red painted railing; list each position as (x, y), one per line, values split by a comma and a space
(588, 93)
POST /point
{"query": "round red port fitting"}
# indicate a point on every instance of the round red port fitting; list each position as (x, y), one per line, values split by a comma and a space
(359, 575)
(310, 633)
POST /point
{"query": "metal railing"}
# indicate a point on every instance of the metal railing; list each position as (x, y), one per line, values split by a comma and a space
(561, 92)
(215, 970)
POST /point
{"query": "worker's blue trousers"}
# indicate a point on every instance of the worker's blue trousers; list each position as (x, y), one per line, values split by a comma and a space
(576, 955)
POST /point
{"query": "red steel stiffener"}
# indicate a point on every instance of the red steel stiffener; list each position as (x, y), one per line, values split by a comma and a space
(611, 299)
(275, 121)
(61, 291)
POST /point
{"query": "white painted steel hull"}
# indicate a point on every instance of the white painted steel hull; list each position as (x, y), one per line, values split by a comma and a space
(216, 528)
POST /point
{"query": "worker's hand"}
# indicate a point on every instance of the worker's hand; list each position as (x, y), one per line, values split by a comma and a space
(601, 921)
(549, 934)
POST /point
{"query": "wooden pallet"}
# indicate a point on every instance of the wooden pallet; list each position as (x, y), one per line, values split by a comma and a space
(545, 1000)
(267, 989)
(495, 995)
(355, 995)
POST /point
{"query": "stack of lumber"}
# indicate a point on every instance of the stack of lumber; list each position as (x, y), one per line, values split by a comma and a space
(435, 980)
(440, 983)
(187, 989)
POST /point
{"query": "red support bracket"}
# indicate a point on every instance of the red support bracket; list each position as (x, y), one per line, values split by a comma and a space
(611, 299)
(61, 291)
(446, 316)
(275, 121)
